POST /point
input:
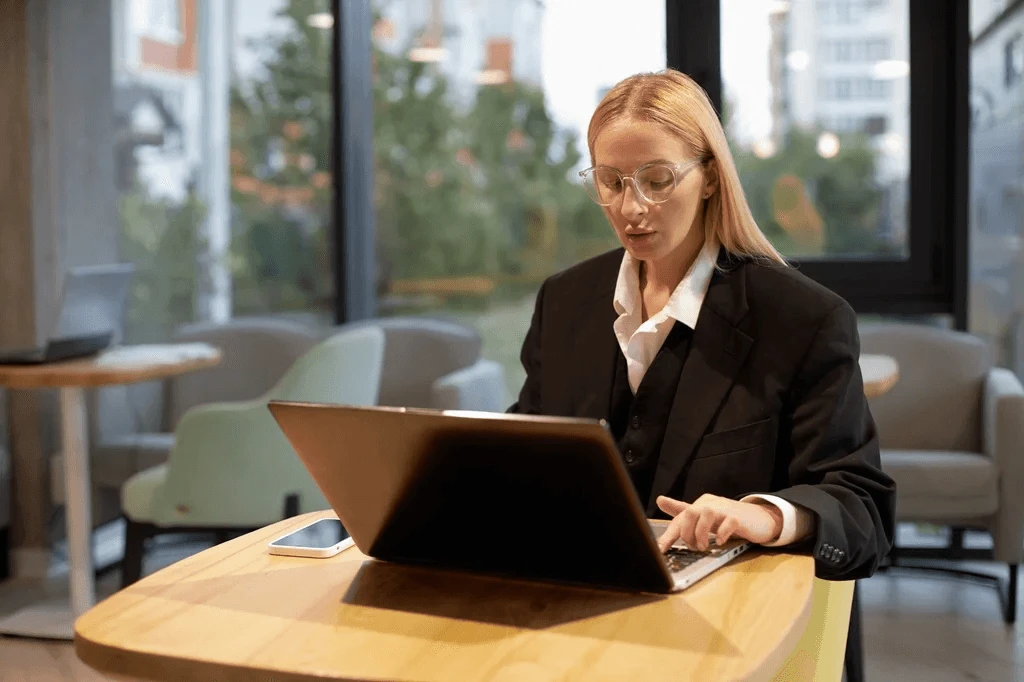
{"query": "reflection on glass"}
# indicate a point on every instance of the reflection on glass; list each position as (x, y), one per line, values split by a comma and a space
(223, 114)
(817, 110)
(481, 109)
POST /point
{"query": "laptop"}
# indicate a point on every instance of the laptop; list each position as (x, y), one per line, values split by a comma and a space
(91, 305)
(529, 497)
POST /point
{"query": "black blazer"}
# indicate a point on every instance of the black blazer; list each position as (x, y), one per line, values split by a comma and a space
(770, 399)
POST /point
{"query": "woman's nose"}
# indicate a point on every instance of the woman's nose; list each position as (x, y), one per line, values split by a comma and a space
(632, 204)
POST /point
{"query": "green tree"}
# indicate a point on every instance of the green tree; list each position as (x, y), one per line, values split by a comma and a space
(160, 237)
(842, 190)
(434, 215)
(281, 132)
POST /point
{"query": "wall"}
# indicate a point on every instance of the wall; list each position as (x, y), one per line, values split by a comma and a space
(57, 190)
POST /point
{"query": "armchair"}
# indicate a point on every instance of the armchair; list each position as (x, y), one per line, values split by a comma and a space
(231, 468)
(952, 436)
(436, 364)
(133, 426)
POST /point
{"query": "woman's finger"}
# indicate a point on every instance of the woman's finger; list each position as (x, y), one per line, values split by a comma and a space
(670, 535)
(687, 523)
(671, 507)
(726, 529)
(707, 522)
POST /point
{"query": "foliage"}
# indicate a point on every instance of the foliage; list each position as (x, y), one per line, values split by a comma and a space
(160, 237)
(842, 191)
(281, 182)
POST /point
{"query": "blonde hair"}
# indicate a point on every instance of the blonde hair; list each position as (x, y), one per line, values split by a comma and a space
(675, 101)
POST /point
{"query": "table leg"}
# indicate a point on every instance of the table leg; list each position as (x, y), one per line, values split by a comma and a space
(55, 620)
(77, 493)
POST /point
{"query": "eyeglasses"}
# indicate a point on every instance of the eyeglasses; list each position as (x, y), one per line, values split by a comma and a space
(653, 182)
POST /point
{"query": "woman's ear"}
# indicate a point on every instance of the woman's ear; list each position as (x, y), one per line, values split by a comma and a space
(710, 178)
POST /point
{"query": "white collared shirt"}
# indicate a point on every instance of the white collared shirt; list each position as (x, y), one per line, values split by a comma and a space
(640, 340)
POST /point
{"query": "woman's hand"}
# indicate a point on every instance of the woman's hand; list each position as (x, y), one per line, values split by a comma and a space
(693, 523)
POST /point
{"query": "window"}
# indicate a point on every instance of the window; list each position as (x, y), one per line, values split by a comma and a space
(887, 243)
(875, 125)
(224, 170)
(475, 149)
(1013, 61)
(842, 51)
(159, 20)
(853, 89)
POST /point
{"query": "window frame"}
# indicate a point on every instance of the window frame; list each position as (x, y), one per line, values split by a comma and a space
(933, 280)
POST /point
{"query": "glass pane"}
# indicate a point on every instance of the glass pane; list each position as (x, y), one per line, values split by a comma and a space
(481, 110)
(996, 293)
(817, 109)
(223, 114)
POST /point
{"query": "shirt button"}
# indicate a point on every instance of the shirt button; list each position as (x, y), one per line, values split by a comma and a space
(636, 421)
(630, 457)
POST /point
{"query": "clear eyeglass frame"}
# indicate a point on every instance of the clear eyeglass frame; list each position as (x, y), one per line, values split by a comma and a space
(679, 171)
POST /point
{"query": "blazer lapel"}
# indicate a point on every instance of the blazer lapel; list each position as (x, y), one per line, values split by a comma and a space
(595, 352)
(717, 351)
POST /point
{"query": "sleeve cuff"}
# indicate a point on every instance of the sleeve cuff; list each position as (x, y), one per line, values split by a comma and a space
(797, 523)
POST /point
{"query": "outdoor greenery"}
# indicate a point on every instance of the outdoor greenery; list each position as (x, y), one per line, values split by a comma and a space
(813, 206)
(475, 187)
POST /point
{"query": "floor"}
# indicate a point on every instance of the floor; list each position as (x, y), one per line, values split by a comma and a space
(918, 627)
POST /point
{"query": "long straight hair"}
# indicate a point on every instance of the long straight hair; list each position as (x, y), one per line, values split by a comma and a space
(675, 101)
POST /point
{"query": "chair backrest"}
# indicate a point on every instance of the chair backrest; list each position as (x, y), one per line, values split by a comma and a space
(936, 404)
(231, 465)
(417, 352)
(344, 369)
(256, 353)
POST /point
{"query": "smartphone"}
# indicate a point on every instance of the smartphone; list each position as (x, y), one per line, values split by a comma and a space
(318, 540)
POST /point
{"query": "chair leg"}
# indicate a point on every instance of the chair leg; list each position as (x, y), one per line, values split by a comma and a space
(853, 665)
(1010, 613)
(135, 536)
(956, 539)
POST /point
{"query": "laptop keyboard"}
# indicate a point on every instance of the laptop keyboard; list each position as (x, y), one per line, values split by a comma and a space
(678, 559)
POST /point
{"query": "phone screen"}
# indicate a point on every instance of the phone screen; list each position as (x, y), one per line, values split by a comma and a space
(320, 535)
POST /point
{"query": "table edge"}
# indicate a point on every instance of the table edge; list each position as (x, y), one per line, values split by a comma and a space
(110, 375)
(113, 660)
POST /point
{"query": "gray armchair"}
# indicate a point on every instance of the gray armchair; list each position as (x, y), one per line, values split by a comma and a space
(436, 364)
(952, 437)
(134, 428)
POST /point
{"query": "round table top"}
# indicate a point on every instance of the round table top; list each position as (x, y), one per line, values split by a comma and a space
(235, 612)
(118, 365)
(880, 372)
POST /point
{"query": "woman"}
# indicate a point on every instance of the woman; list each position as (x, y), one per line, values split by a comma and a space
(730, 381)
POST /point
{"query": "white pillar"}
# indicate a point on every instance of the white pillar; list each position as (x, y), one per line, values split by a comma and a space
(215, 44)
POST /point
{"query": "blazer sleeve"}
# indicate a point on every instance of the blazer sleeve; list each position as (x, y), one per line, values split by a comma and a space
(836, 470)
(530, 356)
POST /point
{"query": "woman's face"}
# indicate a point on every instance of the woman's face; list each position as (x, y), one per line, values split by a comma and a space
(652, 231)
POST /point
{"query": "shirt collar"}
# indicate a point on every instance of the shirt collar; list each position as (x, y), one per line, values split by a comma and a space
(686, 300)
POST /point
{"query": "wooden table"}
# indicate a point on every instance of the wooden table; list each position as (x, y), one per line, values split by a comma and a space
(235, 612)
(880, 373)
(121, 365)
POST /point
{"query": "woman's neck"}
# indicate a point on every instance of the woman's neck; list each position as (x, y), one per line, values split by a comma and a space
(665, 274)
(658, 279)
